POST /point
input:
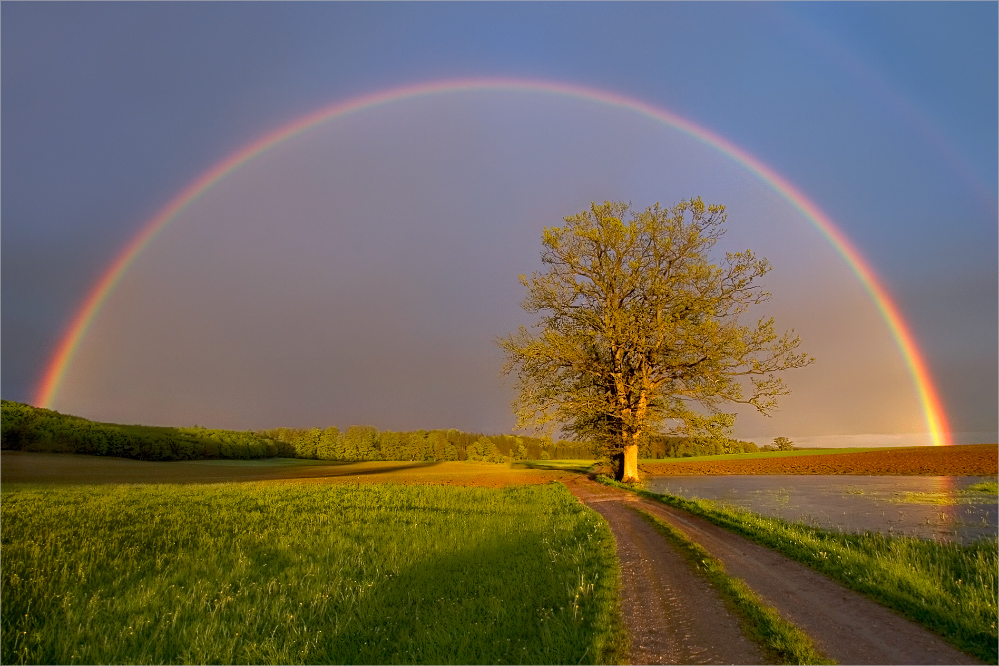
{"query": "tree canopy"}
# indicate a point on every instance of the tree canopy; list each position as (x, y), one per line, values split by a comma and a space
(783, 444)
(640, 330)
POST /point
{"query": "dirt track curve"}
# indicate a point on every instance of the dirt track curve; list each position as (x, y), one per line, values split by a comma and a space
(671, 612)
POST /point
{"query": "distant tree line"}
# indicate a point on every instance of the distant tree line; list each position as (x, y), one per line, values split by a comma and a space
(27, 428)
(661, 446)
(368, 443)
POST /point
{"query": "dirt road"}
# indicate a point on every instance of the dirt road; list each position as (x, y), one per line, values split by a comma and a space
(673, 615)
(844, 625)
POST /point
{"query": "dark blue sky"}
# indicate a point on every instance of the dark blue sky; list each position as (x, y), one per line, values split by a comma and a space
(884, 114)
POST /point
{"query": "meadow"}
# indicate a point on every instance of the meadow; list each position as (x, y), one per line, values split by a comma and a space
(57, 468)
(265, 572)
(950, 589)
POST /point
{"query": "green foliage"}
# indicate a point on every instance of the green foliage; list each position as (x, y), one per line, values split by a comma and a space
(640, 329)
(951, 589)
(367, 443)
(783, 444)
(973, 494)
(292, 573)
(27, 428)
(661, 446)
(637, 323)
(784, 642)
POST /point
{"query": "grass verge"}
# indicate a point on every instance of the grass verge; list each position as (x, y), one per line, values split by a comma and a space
(783, 642)
(948, 588)
(303, 573)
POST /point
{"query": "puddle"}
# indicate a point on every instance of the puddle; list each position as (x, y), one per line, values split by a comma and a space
(945, 508)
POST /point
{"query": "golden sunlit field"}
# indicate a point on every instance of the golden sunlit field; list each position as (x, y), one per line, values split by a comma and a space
(304, 573)
(22, 467)
(968, 460)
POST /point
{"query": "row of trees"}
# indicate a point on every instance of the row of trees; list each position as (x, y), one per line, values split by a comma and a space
(660, 446)
(368, 443)
(28, 428)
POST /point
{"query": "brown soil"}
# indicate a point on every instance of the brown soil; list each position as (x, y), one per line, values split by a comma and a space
(844, 625)
(970, 460)
(21, 467)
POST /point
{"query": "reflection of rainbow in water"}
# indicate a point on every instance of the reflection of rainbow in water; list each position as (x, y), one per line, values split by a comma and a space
(931, 405)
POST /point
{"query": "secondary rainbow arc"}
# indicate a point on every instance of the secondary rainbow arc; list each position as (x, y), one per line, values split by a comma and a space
(932, 407)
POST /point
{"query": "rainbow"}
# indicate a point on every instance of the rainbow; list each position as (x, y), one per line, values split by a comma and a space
(91, 306)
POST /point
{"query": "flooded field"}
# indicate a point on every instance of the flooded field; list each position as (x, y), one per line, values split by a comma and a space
(945, 508)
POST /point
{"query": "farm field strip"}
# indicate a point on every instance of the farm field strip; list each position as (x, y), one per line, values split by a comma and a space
(304, 573)
(965, 460)
(63, 468)
(759, 454)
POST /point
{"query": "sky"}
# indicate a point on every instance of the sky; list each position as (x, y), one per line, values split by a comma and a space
(361, 271)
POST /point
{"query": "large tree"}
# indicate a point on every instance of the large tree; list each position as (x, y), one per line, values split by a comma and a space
(640, 330)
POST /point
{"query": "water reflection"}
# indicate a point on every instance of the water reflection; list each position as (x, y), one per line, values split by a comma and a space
(935, 507)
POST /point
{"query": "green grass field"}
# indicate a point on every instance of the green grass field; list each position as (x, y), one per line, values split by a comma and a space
(66, 468)
(761, 454)
(949, 588)
(305, 573)
(973, 494)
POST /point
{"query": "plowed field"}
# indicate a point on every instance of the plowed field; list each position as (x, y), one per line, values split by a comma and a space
(969, 460)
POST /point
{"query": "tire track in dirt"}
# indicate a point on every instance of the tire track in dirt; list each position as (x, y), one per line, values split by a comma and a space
(673, 615)
(844, 624)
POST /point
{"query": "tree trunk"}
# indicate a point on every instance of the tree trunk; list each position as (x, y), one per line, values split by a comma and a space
(629, 468)
(617, 465)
